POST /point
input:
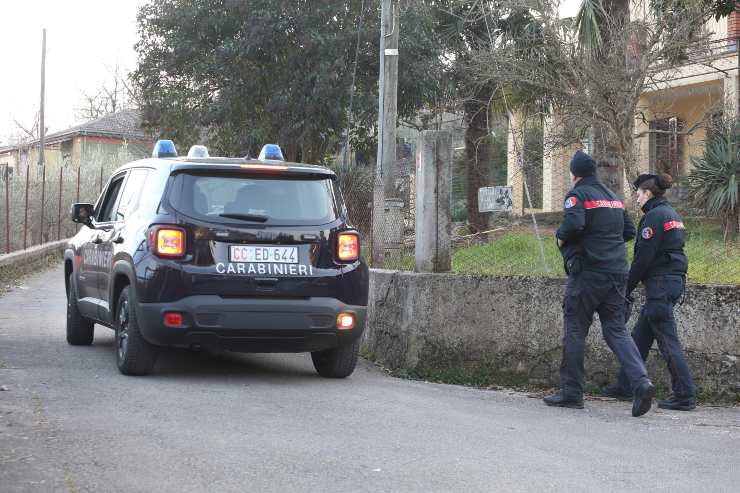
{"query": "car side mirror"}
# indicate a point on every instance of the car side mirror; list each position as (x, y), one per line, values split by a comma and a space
(83, 214)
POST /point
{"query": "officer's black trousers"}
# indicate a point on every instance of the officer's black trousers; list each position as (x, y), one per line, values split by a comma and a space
(585, 294)
(656, 322)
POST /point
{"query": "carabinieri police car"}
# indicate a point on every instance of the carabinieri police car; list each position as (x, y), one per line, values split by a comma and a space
(218, 253)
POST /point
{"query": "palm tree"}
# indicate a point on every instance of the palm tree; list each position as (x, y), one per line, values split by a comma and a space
(595, 21)
(469, 31)
(485, 100)
(588, 25)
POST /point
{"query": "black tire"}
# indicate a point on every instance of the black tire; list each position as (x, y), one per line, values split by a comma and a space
(80, 330)
(134, 355)
(338, 362)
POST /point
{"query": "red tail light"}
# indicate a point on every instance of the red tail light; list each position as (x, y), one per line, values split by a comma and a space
(167, 241)
(348, 247)
(173, 319)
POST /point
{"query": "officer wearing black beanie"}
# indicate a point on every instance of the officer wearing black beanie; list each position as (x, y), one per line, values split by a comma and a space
(582, 165)
(592, 240)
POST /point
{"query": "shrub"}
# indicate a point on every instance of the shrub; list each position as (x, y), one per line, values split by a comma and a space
(715, 179)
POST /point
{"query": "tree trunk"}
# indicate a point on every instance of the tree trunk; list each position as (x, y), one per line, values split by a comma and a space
(609, 148)
(477, 156)
(731, 225)
(291, 152)
(610, 165)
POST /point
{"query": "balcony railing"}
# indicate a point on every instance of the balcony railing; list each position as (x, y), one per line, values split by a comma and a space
(700, 53)
(712, 50)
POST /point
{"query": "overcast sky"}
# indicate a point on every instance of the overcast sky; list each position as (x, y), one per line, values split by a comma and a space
(85, 40)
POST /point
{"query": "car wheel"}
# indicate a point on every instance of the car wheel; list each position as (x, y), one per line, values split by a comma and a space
(134, 355)
(80, 330)
(338, 362)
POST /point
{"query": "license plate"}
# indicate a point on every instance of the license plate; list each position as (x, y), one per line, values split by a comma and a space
(263, 254)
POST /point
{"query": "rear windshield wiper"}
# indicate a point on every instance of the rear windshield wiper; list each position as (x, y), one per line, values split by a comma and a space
(257, 218)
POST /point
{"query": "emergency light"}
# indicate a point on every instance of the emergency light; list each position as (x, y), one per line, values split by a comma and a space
(164, 148)
(198, 151)
(271, 152)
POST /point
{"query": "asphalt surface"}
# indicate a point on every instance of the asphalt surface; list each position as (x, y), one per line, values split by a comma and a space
(70, 422)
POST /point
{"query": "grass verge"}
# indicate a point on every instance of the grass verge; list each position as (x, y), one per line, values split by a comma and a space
(711, 260)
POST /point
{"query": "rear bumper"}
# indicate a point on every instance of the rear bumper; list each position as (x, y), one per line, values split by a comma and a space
(251, 324)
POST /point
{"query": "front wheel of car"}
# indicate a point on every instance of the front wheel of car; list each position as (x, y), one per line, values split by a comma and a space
(134, 355)
(338, 362)
(80, 330)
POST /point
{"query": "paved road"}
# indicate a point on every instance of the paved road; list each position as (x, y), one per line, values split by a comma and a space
(70, 422)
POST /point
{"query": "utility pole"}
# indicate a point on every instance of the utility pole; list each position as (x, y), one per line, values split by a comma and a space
(387, 115)
(42, 133)
(42, 130)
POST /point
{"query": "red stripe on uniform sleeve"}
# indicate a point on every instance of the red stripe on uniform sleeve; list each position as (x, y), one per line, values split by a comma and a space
(673, 225)
(598, 204)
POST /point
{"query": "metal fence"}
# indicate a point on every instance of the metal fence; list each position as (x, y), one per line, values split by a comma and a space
(35, 200)
(521, 243)
(35, 204)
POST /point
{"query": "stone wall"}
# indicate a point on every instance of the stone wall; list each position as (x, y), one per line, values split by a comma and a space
(16, 264)
(507, 331)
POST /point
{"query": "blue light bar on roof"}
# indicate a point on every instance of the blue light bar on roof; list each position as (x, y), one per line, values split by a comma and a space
(164, 148)
(271, 152)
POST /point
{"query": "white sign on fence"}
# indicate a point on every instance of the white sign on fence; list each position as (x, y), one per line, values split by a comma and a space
(494, 199)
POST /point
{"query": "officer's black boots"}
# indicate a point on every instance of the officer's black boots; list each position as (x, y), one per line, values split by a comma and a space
(615, 391)
(643, 399)
(678, 403)
(558, 400)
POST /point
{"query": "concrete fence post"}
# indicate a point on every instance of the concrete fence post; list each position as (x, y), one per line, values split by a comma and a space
(433, 214)
(378, 232)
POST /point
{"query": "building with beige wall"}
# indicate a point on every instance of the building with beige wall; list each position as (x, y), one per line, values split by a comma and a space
(674, 124)
(77, 161)
(110, 141)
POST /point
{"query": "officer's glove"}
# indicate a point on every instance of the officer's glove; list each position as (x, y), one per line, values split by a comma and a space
(628, 302)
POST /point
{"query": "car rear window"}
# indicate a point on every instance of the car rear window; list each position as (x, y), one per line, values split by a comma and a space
(281, 201)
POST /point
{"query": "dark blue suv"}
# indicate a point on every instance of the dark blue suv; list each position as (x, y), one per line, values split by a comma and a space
(218, 253)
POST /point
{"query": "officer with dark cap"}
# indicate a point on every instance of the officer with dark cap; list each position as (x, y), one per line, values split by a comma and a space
(592, 240)
(661, 265)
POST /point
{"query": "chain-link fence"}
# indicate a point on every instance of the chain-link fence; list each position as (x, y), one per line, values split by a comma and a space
(516, 243)
(35, 200)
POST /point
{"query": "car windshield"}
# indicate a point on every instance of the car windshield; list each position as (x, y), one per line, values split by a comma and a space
(229, 198)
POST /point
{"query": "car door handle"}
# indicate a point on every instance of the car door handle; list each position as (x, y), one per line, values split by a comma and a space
(98, 240)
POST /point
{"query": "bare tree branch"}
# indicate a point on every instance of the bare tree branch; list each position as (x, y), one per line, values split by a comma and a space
(541, 61)
(33, 133)
(111, 96)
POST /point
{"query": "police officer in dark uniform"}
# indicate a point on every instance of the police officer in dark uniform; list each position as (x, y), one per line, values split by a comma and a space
(661, 265)
(592, 240)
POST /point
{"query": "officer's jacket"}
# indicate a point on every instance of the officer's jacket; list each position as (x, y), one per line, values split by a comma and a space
(659, 246)
(595, 228)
